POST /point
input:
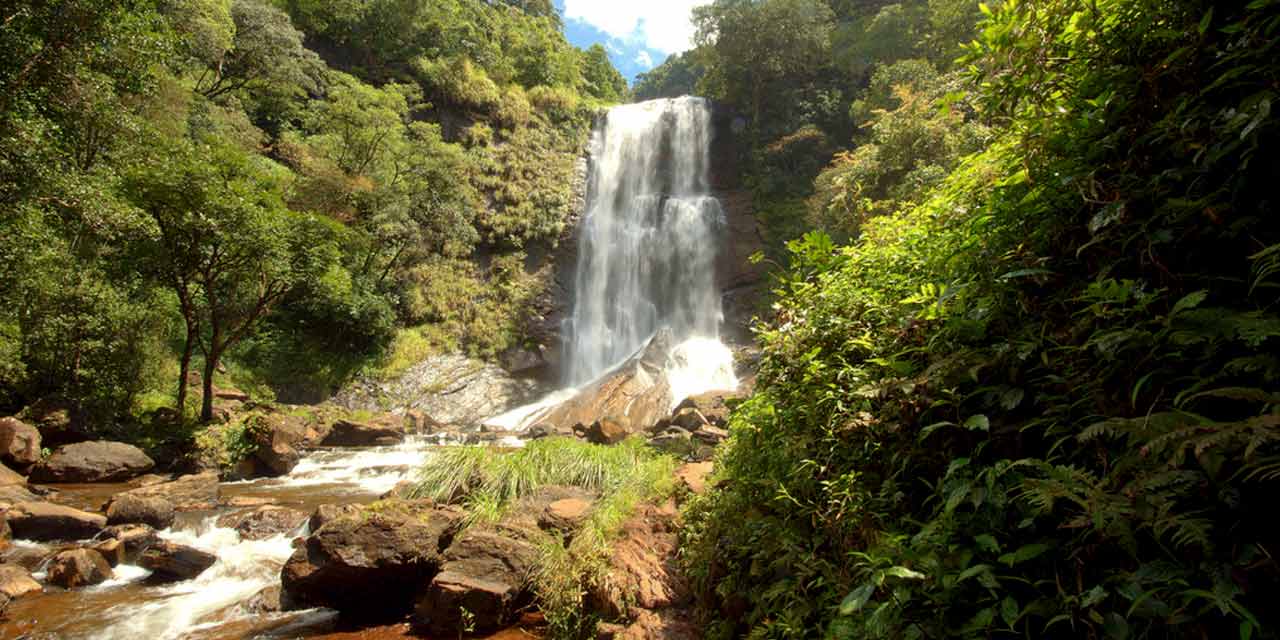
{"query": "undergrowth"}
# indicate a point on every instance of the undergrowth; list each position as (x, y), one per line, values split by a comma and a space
(490, 482)
(1044, 402)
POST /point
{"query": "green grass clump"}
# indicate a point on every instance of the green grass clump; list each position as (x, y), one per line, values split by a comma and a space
(489, 481)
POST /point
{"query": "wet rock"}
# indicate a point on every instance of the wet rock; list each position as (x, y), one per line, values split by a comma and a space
(711, 435)
(712, 406)
(112, 550)
(134, 537)
(419, 422)
(78, 568)
(633, 396)
(98, 461)
(264, 522)
(326, 513)
(132, 509)
(565, 515)
(689, 419)
(16, 582)
(44, 521)
(544, 430)
(486, 572)
(19, 443)
(370, 565)
(693, 476)
(452, 389)
(172, 562)
(15, 493)
(265, 601)
(277, 437)
(643, 571)
(59, 421)
(346, 433)
(9, 477)
(6, 534)
(608, 430)
(187, 493)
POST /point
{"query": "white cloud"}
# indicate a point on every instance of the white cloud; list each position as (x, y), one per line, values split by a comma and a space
(664, 25)
(644, 59)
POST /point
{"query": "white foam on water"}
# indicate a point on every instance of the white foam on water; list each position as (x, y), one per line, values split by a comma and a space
(522, 418)
(373, 470)
(122, 575)
(699, 365)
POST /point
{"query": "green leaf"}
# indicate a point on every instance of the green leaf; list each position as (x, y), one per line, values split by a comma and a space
(1009, 611)
(904, 573)
(1025, 553)
(987, 542)
(857, 599)
(1116, 626)
(1189, 301)
(1206, 21)
(978, 423)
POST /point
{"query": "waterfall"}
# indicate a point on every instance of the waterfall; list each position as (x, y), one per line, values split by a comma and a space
(648, 242)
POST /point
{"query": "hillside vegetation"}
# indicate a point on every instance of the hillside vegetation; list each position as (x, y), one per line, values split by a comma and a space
(1021, 376)
(293, 191)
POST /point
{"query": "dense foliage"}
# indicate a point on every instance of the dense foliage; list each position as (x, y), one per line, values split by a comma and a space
(290, 191)
(1036, 395)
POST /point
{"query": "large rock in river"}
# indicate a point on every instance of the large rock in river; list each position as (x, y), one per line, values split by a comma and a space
(188, 493)
(16, 582)
(264, 522)
(370, 565)
(172, 562)
(630, 399)
(19, 443)
(277, 437)
(486, 573)
(347, 433)
(78, 568)
(99, 461)
(43, 521)
(133, 509)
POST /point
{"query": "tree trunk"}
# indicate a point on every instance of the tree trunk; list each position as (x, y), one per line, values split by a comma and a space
(184, 372)
(206, 401)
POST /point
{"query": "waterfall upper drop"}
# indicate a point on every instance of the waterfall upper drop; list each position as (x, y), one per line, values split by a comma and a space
(645, 290)
(648, 241)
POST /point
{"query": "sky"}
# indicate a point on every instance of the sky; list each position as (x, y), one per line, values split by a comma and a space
(638, 34)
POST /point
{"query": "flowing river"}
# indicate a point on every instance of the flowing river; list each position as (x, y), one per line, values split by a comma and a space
(213, 605)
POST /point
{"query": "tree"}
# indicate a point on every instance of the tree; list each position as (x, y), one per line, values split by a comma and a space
(761, 45)
(600, 77)
(266, 47)
(225, 244)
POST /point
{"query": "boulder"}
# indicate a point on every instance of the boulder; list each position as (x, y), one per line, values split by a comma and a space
(544, 430)
(346, 433)
(419, 422)
(187, 493)
(234, 395)
(486, 572)
(329, 512)
(59, 421)
(111, 549)
(633, 396)
(17, 492)
(689, 419)
(6, 534)
(693, 476)
(277, 437)
(565, 515)
(19, 443)
(16, 582)
(370, 565)
(643, 570)
(9, 477)
(265, 601)
(78, 568)
(711, 435)
(133, 509)
(43, 521)
(172, 562)
(712, 406)
(133, 537)
(608, 430)
(264, 522)
(98, 461)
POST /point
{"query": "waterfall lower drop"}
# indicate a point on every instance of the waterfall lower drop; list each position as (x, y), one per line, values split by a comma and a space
(646, 254)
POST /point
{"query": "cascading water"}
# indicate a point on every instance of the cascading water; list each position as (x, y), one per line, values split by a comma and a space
(646, 254)
(647, 246)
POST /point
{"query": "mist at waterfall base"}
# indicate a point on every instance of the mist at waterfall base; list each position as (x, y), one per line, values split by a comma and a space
(646, 255)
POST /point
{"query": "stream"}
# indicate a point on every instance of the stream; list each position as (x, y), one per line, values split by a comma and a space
(213, 605)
